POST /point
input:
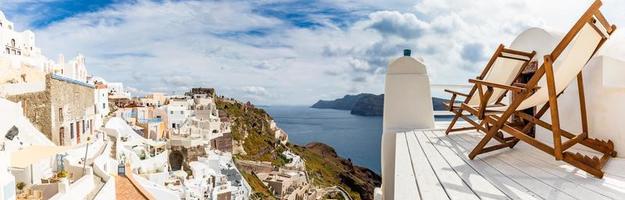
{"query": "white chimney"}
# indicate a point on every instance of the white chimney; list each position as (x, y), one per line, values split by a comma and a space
(407, 106)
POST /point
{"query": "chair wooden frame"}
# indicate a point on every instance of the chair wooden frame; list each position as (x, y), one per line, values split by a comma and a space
(500, 53)
(593, 165)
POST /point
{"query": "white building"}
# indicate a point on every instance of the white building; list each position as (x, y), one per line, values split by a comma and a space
(178, 111)
(278, 133)
(7, 182)
(20, 60)
(216, 177)
(34, 161)
(204, 119)
(117, 91)
(100, 96)
(74, 69)
(19, 56)
(296, 162)
(17, 43)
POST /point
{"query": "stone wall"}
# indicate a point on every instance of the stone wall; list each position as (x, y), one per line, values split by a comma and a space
(254, 166)
(36, 107)
(223, 143)
(77, 103)
(189, 154)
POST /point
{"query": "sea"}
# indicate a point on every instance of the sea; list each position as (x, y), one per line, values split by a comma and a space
(355, 137)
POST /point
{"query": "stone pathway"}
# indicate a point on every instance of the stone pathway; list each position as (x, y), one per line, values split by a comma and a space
(124, 189)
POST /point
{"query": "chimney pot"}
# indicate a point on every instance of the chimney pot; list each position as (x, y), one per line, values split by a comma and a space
(406, 52)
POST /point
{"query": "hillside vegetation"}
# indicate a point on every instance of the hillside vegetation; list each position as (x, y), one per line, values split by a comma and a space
(324, 167)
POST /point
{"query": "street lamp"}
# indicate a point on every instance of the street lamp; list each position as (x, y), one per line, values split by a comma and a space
(84, 164)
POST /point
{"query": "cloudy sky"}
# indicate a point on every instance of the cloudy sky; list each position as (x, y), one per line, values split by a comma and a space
(283, 51)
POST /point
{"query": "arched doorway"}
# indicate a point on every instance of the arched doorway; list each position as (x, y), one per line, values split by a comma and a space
(176, 159)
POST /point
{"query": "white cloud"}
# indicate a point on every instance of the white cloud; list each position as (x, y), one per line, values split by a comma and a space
(405, 25)
(229, 45)
(255, 90)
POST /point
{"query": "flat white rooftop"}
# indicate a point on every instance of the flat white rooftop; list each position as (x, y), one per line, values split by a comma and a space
(430, 165)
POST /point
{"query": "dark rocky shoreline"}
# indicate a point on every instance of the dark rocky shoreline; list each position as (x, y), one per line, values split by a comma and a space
(365, 104)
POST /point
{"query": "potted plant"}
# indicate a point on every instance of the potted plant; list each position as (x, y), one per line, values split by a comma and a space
(62, 175)
(20, 185)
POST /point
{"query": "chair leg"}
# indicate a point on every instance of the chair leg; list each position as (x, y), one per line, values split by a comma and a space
(553, 105)
(453, 122)
(591, 165)
(480, 146)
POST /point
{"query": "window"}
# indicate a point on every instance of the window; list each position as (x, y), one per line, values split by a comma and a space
(13, 42)
(71, 130)
(60, 114)
(103, 105)
(61, 135)
(171, 112)
(173, 125)
(182, 112)
(83, 126)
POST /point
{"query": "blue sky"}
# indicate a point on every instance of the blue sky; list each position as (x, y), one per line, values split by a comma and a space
(282, 51)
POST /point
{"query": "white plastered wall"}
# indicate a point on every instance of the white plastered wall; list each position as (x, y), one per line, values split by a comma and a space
(407, 106)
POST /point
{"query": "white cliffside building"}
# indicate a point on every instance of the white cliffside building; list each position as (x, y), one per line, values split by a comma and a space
(7, 182)
(178, 111)
(21, 61)
(116, 90)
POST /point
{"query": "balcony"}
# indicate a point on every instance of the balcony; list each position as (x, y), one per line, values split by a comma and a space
(430, 165)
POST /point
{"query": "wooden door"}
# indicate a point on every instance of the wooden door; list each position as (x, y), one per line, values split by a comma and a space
(61, 136)
(78, 132)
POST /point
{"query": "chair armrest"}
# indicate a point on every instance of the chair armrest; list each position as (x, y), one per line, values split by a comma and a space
(497, 85)
(457, 93)
(523, 85)
(454, 94)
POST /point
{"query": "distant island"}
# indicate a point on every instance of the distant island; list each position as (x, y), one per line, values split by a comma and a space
(365, 104)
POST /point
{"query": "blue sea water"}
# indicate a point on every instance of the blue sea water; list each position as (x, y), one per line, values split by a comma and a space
(352, 136)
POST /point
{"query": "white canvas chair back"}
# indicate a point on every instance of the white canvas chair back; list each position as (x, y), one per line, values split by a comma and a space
(503, 71)
(567, 65)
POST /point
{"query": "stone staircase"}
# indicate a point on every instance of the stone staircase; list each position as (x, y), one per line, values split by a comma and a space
(114, 148)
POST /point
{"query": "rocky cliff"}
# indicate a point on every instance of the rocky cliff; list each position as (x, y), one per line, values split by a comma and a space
(366, 104)
(327, 169)
(345, 103)
(252, 134)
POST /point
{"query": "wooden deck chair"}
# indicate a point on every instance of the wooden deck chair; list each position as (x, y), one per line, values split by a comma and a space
(504, 67)
(560, 68)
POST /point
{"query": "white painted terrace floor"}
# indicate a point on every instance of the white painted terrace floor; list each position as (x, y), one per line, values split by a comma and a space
(430, 165)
